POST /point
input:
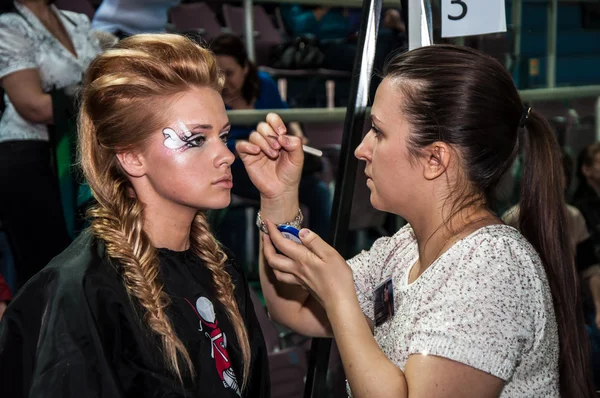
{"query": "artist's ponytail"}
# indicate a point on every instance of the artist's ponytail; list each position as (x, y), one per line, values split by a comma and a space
(543, 221)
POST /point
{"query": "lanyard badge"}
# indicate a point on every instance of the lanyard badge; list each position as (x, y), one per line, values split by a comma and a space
(383, 300)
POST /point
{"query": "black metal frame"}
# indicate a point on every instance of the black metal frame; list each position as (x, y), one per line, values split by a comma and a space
(315, 386)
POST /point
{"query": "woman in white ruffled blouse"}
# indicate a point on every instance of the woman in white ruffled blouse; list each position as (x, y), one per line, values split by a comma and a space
(479, 309)
(41, 49)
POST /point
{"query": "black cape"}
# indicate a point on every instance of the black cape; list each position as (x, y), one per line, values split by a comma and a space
(72, 331)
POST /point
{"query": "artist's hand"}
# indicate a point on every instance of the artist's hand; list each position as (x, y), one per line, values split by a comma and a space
(314, 264)
(273, 159)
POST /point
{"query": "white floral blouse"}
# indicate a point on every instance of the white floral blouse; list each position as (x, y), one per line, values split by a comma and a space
(485, 302)
(25, 44)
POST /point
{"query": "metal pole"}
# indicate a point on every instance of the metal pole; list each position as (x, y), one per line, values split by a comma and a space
(420, 31)
(517, 15)
(354, 123)
(414, 24)
(253, 116)
(551, 43)
(249, 28)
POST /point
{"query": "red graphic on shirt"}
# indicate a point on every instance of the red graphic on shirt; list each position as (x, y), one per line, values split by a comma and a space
(218, 351)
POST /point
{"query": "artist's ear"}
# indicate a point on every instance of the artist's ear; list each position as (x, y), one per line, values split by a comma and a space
(132, 163)
(435, 160)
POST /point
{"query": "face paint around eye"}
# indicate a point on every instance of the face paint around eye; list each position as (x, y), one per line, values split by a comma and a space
(172, 140)
(176, 142)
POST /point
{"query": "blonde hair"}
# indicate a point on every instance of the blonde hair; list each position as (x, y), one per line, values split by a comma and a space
(123, 87)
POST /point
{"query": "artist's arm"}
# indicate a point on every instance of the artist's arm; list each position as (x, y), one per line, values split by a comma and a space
(275, 167)
(369, 372)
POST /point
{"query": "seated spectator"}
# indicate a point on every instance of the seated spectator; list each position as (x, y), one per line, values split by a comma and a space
(247, 88)
(586, 261)
(127, 17)
(587, 196)
(43, 54)
(578, 231)
(336, 29)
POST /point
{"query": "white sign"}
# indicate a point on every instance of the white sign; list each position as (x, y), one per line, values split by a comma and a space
(472, 17)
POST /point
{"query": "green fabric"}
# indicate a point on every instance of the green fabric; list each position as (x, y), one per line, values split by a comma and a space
(63, 137)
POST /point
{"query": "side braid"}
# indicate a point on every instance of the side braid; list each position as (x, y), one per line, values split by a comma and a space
(208, 249)
(120, 226)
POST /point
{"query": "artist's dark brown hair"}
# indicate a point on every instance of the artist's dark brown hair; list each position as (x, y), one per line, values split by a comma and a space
(468, 100)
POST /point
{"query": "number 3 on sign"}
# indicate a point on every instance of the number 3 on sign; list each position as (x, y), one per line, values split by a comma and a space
(472, 17)
(462, 14)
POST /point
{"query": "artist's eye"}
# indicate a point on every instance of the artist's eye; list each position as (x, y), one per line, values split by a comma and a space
(376, 131)
(224, 136)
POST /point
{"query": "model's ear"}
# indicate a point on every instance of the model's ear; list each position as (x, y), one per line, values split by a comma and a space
(132, 163)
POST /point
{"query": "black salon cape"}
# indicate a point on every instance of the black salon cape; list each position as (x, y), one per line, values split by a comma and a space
(72, 331)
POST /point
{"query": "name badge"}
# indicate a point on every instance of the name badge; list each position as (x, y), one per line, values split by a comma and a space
(383, 299)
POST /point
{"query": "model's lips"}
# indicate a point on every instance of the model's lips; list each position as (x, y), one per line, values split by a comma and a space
(226, 181)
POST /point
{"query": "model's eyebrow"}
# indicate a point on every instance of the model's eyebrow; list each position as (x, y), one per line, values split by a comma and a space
(199, 126)
(206, 126)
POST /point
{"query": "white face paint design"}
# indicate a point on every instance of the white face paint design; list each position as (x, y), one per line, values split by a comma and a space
(178, 142)
(185, 139)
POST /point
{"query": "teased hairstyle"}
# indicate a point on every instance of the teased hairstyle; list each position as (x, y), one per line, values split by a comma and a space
(468, 100)
(123, 88)
(233, 47)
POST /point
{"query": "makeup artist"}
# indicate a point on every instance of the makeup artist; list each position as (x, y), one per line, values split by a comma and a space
(480, 310)
(248, 88)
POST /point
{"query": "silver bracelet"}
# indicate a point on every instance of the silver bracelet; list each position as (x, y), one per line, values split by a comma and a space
(296, 222)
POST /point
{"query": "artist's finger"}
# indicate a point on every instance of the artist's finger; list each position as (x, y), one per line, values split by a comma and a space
(244, 148)
(276, 123)
(315, 243)
(263, 143)
(275, 260)
(267, 131)
(293, 250)
(290, 143)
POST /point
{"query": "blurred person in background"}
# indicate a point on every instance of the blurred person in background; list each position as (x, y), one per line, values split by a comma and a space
(587, 263)
(336, 29)
(128, 17)
(43, 55)
(248, 88)
(587, 195)
(587, 200)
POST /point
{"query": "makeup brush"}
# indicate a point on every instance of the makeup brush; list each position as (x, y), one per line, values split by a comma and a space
(307, 149)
